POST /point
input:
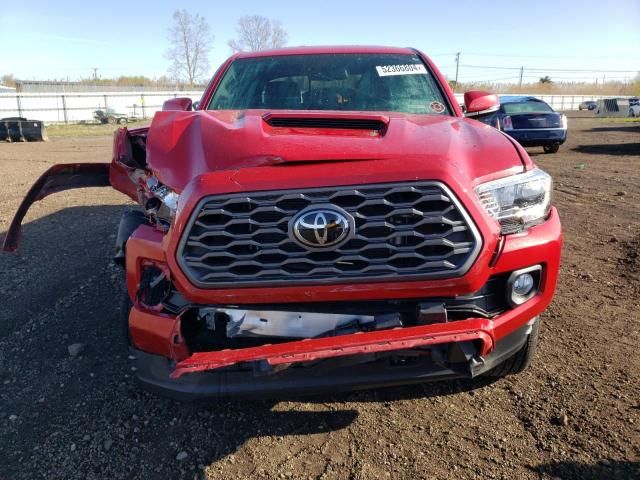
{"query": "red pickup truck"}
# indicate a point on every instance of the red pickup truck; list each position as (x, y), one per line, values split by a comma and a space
(325, 218)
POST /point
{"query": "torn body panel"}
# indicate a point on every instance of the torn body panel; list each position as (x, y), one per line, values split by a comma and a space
(125, 173)
(129, 159)
(58, 178)
(355, 344)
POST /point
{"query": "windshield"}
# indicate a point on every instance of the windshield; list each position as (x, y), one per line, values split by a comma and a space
(531, 106)
(351, 82)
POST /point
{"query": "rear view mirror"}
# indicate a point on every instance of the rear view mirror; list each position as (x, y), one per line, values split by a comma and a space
(180, 104)
(479, 103)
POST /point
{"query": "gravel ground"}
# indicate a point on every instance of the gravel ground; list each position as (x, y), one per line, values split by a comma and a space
(68, 413)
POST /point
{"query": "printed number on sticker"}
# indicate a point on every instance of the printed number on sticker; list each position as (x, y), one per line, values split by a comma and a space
(409, 69)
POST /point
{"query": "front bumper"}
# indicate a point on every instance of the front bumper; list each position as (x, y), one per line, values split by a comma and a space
(167, 364)
(155, 373)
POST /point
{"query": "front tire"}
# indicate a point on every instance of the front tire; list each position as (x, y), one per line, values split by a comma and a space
(523, 357)
(551, 148)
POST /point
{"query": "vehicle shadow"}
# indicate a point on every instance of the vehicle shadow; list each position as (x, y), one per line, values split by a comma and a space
(623, 127)
(62, 287)
(406, 392)
(604, 469)
(55, 253)
(609, 149)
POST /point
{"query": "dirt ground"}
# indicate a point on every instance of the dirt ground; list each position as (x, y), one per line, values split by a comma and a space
(574, 414)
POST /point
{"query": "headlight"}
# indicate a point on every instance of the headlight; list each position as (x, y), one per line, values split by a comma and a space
(163, 204)
(517, 202)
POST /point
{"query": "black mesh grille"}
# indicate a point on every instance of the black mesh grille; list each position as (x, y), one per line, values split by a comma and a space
(404, 231)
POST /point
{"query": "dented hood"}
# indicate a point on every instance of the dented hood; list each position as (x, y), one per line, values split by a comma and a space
(184, 145)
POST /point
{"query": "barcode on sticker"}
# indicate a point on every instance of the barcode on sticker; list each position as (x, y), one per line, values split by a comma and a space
(409, 69)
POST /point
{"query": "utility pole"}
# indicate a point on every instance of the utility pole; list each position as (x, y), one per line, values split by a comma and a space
(457, 67)
(95, 73)
(521, 74)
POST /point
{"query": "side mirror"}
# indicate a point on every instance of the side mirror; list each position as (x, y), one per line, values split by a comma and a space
(479, 103)
(195, 105)
(181, 104)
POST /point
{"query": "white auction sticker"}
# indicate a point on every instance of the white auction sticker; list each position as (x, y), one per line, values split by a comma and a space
(409, 69)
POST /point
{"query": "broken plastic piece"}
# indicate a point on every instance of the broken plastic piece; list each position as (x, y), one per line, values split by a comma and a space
(58, 178)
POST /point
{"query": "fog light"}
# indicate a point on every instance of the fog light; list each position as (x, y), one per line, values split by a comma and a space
(154, 286)
(523, 284)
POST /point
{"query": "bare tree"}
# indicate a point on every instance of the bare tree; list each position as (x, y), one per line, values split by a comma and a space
(258, 33)
(189, 46)
(8, 80)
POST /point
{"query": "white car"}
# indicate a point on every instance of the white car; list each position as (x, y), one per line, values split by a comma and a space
(634, 108)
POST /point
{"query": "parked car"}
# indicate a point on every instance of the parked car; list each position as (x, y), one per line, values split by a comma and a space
(634, 107)
(325, 219)
(110, 116)
(588, 105)
(532, 122)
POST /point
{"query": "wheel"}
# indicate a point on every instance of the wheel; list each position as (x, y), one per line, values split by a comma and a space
(522, 358)
(631, 114)
(580, 107)
(122, 121)
(111, 120)
(551, 148)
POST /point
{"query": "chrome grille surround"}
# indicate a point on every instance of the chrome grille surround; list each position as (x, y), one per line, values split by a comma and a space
(403, 231)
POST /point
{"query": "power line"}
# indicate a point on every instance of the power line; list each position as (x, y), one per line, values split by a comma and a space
(441, 54)
(538, 69)
(574, 57)
(492, 79)
(490, 67)
(578, 79)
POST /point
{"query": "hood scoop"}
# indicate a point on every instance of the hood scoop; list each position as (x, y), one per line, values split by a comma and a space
(328, 120)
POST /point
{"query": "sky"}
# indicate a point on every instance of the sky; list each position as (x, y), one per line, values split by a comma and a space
(597, 38)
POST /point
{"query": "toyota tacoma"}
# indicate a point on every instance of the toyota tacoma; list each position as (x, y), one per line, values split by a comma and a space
(325, 218)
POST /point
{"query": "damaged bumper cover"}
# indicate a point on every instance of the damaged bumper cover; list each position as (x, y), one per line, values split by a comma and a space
(351, 372)
(58, 178)
(309, 350)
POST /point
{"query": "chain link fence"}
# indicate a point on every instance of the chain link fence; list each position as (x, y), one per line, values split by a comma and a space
(79, 107)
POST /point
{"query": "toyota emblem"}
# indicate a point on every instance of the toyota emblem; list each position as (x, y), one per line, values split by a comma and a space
(322, 227)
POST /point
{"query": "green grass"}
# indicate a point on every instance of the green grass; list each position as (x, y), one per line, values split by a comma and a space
(87, 129)
(624, 120)
(618, 119)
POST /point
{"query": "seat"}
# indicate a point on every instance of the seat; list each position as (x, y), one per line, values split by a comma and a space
(372, 93)
(282, 94)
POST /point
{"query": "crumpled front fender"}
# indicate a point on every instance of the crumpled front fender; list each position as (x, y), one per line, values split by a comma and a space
(58, 178)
